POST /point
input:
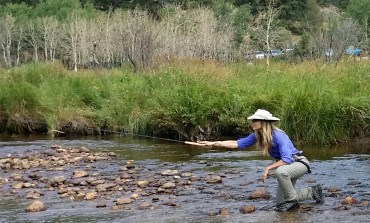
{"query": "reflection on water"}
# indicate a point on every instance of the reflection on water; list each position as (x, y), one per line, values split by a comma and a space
(136, 148)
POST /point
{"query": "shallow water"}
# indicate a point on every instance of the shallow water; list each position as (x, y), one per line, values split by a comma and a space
(347, 168)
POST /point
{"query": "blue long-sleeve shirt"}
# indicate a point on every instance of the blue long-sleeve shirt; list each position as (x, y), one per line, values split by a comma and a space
(282, 147)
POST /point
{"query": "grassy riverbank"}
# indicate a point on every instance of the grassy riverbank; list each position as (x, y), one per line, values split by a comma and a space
(318, 103)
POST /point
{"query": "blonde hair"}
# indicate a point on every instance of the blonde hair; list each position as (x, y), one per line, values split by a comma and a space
(264, 137)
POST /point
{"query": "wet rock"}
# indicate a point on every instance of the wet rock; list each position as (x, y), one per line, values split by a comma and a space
(333, 189)
(124, 200)
(145, 205)
(130, 166)
(96, 182)
(311, 181)
(260, 193)
(125, 176)
(143, 183)
(168, 185)
(34, 176)
(58, 180)
(91, 195)
(247, 209)
(105, 187)
(349, 201)
(4, 180)
(101, 205)
(194, 178)
(224, 195)
(212, 179)
(28, 185)
(187, 174)
(364, 202)
(17, 177)
(246, 183)
(17, 186)
(224, 211)
(169, 172)
(170, 203)
(79, 174)
(134, 196)
(36, 206)
(342, 208)
(34, 194)
(354, 182)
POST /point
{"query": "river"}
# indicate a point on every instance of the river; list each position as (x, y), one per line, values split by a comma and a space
(346, 168)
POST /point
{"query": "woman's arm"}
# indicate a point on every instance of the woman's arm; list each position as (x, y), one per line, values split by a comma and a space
(230, 144)
(271, 167)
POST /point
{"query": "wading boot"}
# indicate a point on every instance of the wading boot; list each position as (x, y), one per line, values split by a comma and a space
(317, 194)
(286, 206)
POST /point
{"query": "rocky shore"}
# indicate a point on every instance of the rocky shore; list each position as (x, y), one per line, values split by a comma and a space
(78, 174)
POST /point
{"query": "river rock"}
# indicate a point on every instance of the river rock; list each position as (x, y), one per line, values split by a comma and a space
(124, 200)
(169, 172)
(224, 211)
(145, 205)
(349, 201)
(36, 206)
(212, 179)
(168, 185)
(247, 209)
(17, 186)
(79, 173)
(333, 189)
(58, 180)
(260, 193)
(90, 195)
(134, 196)
(143, 183)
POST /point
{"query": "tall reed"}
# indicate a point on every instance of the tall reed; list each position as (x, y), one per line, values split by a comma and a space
(317, 103)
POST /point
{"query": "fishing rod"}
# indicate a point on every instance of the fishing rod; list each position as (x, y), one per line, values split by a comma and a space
(127, 133)
(141, 135)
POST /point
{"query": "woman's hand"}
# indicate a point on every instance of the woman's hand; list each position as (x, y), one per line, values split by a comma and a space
(207, 143)
(264, 175)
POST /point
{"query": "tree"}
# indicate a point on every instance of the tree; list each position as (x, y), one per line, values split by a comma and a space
(7, 27)
(267, 30)
(360, 10)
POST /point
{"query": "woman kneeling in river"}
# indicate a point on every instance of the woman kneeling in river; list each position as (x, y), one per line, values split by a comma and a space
(290, 163)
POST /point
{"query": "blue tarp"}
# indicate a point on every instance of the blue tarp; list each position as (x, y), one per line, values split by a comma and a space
(352, 51)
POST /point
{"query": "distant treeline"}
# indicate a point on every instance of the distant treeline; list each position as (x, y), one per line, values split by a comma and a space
(100, 33)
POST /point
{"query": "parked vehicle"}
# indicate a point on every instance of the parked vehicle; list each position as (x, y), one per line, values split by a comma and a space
(259, 55)
(274, 52)
(329, 53)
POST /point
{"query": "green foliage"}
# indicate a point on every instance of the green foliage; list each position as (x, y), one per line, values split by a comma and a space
(360, 10)
(302, 48)
(316, 104)
(56, 8)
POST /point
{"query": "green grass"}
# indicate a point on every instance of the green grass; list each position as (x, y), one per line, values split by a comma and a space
(317, 103)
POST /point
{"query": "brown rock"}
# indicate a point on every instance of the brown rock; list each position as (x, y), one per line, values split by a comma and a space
(124, 200)
(224, 211)
(212, 179)
(247, 209)
(260, 193)
(349, 201)
(36, 206)
(333, 189)
(143, 183)
(79, 173)
(145, 205)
